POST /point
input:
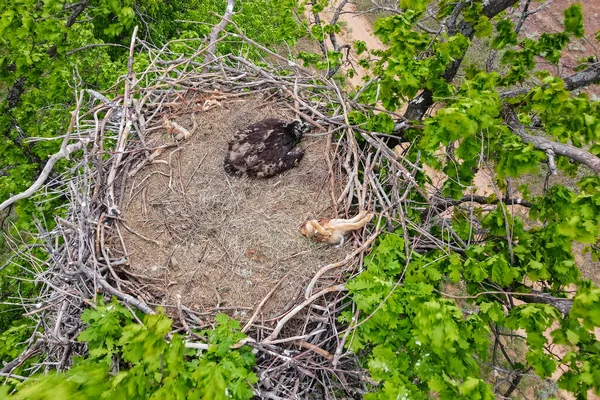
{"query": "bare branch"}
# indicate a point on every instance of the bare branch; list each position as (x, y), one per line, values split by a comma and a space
(214, 32)
(64, 152)
(442, 203)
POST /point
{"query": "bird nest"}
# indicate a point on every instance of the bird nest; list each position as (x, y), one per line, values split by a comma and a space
(223, 243)
(152, 218)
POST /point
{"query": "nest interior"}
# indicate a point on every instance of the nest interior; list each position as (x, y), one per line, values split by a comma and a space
(220, 242)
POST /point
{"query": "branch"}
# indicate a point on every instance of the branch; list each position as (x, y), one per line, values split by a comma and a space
(132, 301)
(562, 305)
(298, 308)
(27, 353)
(80, 8)
(419, 105)
(124, 127)
(214, 32)
(442, 203)
(543, 144)
(334, 19)
(322, 43)
(64, 152)
(523, 17)
(584, 78)
(15, 92)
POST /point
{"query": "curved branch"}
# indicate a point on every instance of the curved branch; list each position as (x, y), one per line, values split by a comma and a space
(298, 308)
(541, 143)
(64, 152)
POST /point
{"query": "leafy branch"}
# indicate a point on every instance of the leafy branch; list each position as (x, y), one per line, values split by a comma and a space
(549, 147)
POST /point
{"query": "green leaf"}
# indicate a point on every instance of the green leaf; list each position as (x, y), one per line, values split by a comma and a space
(574, 20)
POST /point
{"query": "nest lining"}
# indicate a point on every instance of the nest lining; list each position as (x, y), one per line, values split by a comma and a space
(223, 242)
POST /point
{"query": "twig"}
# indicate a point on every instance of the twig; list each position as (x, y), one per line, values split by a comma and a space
(260, 305)
(298, 308)
(65, 151)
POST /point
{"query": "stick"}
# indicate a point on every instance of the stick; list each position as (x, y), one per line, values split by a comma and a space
(262, 303)
(338, 264)
(124, 128)
(298, 308)
(214, 33)
(64, 152)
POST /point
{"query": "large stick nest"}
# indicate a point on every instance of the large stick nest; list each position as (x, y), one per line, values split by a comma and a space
(153, 220)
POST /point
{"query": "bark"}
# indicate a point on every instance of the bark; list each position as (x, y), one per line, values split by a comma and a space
(583, 78)
(214, 33)
(562, 305)
(15, 92)
(548, 146)
(77, 10)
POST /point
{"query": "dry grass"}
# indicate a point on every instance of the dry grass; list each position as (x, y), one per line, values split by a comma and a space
(224, 242)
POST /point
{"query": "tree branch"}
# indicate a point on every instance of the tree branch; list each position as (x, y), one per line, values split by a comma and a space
(64, 152)
(214, 32)
(442, 203)
(584, 78)
(543, 144)
(562, 305)
(419, 105)
(334, 19)
(77, 10)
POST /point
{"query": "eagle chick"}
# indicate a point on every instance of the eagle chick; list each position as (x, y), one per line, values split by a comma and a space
(265, 149)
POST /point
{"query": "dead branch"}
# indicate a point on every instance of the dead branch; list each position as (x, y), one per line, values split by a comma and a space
(298, 308)
(124, 128)
(214, 33)
(65, 151)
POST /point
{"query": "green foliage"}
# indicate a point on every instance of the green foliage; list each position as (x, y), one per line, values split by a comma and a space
(506, 34)
(574, 20)
(135, 361)
(401, 69)
(13, 342)
(418, 341)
